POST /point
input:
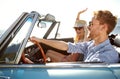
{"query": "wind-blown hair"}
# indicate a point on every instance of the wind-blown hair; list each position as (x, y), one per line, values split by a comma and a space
(107, 17)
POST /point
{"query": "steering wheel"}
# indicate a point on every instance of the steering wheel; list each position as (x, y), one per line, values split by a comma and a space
(41, 49)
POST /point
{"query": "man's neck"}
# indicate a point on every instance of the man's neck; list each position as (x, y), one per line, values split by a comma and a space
(100, 39)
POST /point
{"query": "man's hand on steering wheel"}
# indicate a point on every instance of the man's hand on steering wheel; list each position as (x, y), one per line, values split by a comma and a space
(35, 40)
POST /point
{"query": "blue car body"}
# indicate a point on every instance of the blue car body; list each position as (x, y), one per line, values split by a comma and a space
(15, 40)
(60, 72)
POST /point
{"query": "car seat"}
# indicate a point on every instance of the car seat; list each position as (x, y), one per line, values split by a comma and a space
(115, 41)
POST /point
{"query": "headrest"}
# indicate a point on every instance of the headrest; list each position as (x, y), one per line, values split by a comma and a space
(115, 39)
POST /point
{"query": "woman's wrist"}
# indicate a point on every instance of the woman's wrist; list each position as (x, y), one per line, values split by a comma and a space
(77, 18)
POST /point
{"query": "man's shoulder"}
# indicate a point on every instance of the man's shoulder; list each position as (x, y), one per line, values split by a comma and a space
(90, 42)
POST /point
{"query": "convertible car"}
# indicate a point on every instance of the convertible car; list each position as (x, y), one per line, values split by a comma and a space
(15, 41)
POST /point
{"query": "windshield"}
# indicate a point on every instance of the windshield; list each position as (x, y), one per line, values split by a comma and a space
(44, 26)
(2, 31)
(39, 31)
(10, 51)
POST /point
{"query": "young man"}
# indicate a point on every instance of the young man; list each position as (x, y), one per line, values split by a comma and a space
(99, 48)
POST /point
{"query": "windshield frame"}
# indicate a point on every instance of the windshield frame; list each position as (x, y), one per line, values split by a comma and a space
(11, 34)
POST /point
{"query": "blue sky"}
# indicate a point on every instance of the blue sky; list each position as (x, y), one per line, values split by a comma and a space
(64, 10)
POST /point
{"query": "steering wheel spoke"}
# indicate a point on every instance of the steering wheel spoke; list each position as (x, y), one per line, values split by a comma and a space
(41, 49)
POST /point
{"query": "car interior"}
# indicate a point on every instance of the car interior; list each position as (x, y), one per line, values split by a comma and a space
(34, 51)
(34, 54)
(115, 41)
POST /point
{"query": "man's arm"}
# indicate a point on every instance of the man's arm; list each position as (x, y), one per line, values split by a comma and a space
(53, 43)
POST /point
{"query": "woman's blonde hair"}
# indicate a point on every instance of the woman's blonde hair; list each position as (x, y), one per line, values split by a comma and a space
(84, 25)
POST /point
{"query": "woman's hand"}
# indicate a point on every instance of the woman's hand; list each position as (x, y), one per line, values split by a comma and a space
(78, 15)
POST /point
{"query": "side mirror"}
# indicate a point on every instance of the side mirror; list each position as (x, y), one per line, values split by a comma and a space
(45, 18)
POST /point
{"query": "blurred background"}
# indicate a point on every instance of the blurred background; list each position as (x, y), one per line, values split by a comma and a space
(65, 11)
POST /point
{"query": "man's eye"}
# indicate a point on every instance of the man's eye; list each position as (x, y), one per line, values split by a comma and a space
(90, 23)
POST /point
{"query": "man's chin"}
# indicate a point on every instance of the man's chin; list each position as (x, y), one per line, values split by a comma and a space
(89, 35)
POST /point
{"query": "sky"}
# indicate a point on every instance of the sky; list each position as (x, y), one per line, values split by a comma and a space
(64, 11)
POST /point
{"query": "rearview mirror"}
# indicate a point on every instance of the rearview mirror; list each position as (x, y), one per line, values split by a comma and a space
(41, 25)
(49, 17)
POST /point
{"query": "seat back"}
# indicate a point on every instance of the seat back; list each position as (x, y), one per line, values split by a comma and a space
(115, 41)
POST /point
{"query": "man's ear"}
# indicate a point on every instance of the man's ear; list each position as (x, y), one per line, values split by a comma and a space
(104, 27)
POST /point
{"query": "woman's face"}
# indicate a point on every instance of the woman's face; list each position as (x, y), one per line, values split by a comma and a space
(79, 32)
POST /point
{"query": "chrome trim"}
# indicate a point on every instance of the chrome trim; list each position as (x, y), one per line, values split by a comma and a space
(36, 15)
(61, 65)
(4, 77)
